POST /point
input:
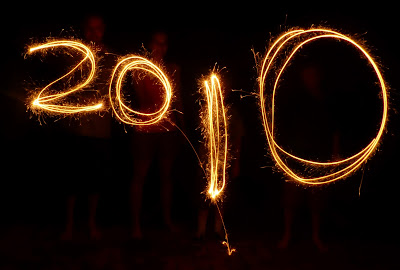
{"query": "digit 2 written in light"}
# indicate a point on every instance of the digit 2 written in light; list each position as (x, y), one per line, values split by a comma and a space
(52, 102)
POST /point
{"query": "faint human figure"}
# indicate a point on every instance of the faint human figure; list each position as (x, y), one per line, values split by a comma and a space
(91, 146)
(310, 133)
(94, 29)
(158, 142)
(206, 210)
(294, 196)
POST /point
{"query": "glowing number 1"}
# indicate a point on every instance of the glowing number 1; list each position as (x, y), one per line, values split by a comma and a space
(216, 126)
(48, 102)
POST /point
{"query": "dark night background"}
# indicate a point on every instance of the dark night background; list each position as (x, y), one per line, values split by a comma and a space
(361, 232)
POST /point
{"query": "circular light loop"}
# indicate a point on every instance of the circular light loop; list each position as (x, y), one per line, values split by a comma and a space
(121, 110)
(294, 40)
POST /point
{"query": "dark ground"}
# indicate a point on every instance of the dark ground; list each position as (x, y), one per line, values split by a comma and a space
(37, 247)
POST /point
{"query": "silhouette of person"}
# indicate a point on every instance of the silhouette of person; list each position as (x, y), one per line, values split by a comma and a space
(92, 141)
(310, 133)
(158, 142)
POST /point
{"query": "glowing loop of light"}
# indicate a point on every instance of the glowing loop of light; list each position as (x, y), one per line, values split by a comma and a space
(122, 111)
(216, 127)
(335, 170)
(47, 102)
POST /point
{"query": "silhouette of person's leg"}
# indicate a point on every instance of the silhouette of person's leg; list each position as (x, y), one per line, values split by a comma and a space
(316, 225)
(69, 224)
(202, 218)
(71, 181)
(166, 164)
(291, 198)
(201, 222)
(98, 171)
(218, 227)
(200, 201)
(315, 204)
(141, 167)
(168, 150)
(287, 229)
(93, 202)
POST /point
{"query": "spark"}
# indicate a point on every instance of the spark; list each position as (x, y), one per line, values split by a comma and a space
(121, 110)
(49, 101)
(294, 40)
(215, 124)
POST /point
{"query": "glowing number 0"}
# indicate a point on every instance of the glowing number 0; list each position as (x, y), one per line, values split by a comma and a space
(47, 101)
(332, 171)
(123, 112)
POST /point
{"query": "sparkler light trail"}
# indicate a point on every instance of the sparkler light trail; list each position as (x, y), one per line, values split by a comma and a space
(122, 111)
(286, 46)
(217, 136)
(215, 125)
(52, 101)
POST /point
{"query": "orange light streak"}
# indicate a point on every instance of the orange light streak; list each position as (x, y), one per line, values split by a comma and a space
(49, 102)
(294, 40)
(121, 110)
(215, 124)
(217, 136)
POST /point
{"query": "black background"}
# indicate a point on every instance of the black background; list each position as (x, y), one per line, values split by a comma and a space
(201, 35)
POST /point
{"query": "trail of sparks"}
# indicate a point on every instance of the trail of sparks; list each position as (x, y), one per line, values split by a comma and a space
(215, 124)
(226, 243)
(294, 40)
(49, 102)
(190, 144)
(121, 110)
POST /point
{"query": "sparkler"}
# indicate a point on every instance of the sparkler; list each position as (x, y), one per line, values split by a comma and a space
(121, 110)
(215, 124)
(288, 44)
(49, 101)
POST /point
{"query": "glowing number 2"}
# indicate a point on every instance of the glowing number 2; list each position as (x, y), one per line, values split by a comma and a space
(123, 112)
(48, 102)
